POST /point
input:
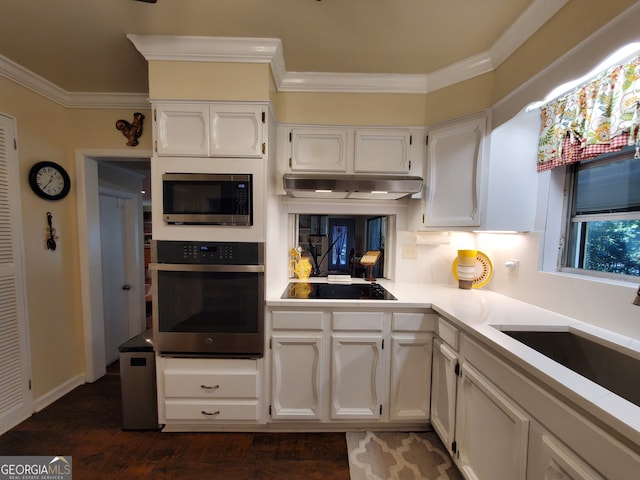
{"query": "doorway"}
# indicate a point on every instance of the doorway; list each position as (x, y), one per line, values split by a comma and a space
(117, 245)
(342, 244)
(88, 164)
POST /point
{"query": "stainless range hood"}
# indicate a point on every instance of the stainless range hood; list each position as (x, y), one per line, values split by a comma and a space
(367, 187)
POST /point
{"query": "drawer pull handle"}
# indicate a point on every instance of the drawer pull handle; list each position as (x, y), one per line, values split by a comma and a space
(211, 414)
(209, 387)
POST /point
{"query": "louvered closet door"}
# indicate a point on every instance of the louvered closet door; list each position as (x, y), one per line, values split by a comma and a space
(15, 396)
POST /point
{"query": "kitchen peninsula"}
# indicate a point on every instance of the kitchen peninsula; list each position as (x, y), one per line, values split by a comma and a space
(539, 411)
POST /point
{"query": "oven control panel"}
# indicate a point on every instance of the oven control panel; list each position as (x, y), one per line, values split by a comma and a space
(208, 253)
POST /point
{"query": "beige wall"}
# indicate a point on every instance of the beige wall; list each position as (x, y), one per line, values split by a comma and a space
(209, 81)
(48, 131)
(576, 21)
(173, 80)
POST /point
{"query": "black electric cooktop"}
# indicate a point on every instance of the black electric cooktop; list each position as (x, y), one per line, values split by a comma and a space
(337, 291)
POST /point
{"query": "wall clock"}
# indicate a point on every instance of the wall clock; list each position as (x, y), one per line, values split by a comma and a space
(49, 180)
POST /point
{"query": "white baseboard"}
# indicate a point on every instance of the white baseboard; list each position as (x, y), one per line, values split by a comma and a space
(58, 392)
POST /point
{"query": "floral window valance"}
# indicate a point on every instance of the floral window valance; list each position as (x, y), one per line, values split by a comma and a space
(599, 117)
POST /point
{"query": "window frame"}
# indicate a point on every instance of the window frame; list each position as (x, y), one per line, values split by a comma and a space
(566, 247)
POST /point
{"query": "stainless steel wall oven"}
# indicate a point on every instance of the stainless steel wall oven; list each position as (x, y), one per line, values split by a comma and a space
(208, 298)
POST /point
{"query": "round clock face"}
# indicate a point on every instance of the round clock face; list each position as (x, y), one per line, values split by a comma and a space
(49, 180)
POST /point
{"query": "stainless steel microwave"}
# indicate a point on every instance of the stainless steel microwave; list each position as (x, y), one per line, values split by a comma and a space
(207, 199)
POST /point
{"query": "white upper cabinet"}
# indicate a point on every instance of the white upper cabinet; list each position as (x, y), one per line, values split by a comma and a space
(513, 180)
(350, 150)
(456, 153)
(382, 151)
(318, 149)
(182, 130)
(236, 130)
(209, 129)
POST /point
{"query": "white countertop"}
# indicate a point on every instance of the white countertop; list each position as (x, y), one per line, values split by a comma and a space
(482, 313)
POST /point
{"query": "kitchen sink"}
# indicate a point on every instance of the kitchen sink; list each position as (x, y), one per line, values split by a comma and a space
(609, 368)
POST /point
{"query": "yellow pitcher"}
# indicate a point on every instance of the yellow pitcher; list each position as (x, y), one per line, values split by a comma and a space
(301, 267)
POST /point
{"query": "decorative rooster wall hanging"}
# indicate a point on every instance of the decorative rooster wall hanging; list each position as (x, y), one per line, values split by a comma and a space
(131, 130)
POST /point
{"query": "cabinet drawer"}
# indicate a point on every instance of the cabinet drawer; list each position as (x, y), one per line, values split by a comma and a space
(413, 322)
(206, 365)
(211, 385)
(210, 411)
(296, 320)
(371, 321)
(448, 333)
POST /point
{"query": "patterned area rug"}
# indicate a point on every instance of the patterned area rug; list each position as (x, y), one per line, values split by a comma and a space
(399, 456)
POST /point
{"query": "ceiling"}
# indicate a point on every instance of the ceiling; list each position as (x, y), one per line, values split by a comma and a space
(81, 45)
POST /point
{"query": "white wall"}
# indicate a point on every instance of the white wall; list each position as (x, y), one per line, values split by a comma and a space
(600, 302)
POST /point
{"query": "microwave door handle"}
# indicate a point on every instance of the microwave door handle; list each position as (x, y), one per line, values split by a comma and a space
(172, 267)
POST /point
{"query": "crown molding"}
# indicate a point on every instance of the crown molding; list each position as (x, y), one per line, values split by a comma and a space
(207, 49)
(29, 80)
(138, 101)
(536, 15)
(270, 50)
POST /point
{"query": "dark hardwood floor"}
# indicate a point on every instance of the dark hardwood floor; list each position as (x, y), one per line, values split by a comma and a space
(86, 425)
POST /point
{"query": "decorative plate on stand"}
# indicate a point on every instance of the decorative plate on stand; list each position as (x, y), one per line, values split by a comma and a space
(483, 273)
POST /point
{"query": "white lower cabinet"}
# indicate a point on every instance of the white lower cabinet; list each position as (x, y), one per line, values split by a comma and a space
(485, 432)
(491, 431)
(510, 427)
(202, 391)
(345, 366)
(358, 364)
(297, 365)
(444, 382)
(357, 380)
(550, 459)
(296, 360)
(410, 390)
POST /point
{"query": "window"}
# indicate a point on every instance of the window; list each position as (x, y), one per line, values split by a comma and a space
(335, 243)
(604, 225)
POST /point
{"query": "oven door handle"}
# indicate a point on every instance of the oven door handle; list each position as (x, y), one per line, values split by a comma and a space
(173, 267)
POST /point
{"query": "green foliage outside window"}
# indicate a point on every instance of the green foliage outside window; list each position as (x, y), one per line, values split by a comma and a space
(613, 246)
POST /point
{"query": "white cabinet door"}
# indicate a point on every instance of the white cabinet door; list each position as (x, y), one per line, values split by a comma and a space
(512, 189)
(455, 155)
(209, 130)
(382, 151)
(181, 129)
(443, 392)
(410, 377)
(491, 431)
(550, 459)
(236, 130)
(296, 375)
(318, 149)
(357, 377)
